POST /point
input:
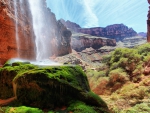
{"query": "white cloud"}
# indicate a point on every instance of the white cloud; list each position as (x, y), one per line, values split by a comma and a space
(90, 18)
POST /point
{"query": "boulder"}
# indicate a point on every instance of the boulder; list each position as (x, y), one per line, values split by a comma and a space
(47, 87)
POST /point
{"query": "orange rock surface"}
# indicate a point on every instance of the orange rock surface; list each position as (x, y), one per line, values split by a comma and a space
(8, 43)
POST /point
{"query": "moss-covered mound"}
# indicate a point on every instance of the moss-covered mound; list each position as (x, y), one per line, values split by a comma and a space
(48, 87)
(22, 109)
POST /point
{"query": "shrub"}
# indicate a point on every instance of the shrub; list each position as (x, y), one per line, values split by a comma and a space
(127, 59)
(144, 49)
(118, 75)
(106, 58)
(139, 108)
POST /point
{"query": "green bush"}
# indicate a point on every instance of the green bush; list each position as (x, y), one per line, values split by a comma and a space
(127, 59)
(118, 75)
(139, 108)
(144, 49)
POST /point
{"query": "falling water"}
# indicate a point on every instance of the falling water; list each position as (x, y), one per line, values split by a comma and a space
(39, 24)
(16, 26)
(41, 27)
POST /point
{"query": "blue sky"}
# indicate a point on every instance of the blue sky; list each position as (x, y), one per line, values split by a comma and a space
(100, 13)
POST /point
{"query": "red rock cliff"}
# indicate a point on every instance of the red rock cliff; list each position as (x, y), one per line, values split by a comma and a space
(8, 22)
(116, 31)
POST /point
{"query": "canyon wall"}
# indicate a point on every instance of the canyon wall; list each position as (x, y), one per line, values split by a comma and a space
(82, 41)
(17, 37)
(116, 31)
(8, 31)
(83, 38)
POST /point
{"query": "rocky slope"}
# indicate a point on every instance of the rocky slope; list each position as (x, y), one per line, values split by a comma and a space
(17, 37)
(132, 42)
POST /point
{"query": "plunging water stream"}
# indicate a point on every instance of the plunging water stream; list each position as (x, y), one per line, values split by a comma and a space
(39, 25)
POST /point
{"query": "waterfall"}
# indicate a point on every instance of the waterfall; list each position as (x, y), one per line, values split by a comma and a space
(42, 40)
(41, 27)
(16, 26)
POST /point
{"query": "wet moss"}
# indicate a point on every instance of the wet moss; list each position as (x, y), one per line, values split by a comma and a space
(7, 74)
(81, 107)
(47, 87)
(23, 109)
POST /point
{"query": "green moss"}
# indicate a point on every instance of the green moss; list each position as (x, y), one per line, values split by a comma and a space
(53, 83)
(91, 98)
(8, 63)
(80, 107)
(48, 87)
(7, 74)
(72, 75)
(23, 109)
(51, 112)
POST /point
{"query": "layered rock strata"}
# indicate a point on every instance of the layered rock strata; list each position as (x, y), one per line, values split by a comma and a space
(115, 31)
(82, 41)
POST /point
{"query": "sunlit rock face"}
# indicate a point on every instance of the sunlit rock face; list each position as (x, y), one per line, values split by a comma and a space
(82, 41)
(19, 36)
(115, 31)
(8, 30)
(148, 24)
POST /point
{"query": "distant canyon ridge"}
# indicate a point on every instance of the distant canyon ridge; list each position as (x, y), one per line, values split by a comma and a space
(115, 31)
(103, 36)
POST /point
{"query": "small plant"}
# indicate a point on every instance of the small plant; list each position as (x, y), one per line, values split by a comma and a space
(118, 75)
(139, 108)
